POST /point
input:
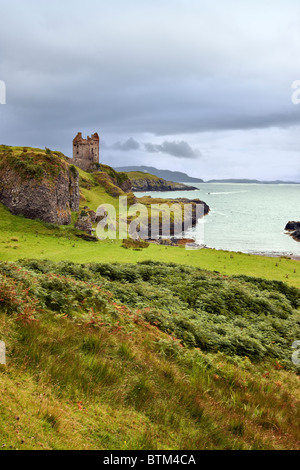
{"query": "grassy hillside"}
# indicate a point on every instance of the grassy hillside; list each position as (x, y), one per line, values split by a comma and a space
(87, 343)
(140, 175)
(30, 162)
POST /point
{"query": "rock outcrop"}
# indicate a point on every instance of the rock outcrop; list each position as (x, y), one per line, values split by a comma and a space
(84, 222)
(86, 219)
(292, 226)
(294, 229)
(39, 186)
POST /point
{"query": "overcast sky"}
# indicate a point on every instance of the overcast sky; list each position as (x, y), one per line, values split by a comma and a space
(193, 85)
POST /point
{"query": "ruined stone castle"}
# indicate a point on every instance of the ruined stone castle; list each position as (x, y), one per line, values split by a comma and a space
(86, 151)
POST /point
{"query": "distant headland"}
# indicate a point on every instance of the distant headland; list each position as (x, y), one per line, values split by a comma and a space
(180, 177)
(168, 175)
(249, 181)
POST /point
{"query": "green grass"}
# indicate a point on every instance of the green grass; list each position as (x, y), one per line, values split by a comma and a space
(16, 150)
(87, 371)
(35, 240)
(98, 193)
(33, 163)
(140, 175)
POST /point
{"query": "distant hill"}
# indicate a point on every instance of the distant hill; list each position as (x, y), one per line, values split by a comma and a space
(246, 181)
(168, 175)
(180, 177)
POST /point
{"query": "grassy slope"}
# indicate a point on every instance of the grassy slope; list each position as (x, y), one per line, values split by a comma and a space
(140, 175)
(103, 378)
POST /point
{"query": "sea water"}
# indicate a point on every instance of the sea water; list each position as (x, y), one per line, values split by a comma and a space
(245, 217)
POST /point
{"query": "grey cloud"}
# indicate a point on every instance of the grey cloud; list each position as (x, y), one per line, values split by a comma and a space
(148, 70)
(129, 144)
(123, 78)
(179, 149)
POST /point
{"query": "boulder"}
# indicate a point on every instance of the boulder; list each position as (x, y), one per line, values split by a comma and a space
(91, 213)
(292, 226)
(294, 229)
(84, 222)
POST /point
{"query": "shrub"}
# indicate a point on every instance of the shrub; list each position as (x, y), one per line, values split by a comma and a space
(237, 316)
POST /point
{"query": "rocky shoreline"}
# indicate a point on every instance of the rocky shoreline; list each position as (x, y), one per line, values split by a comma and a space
(276, 255)
(269, 254)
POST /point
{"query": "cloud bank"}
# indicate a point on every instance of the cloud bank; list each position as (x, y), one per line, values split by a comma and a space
(178, 149)
(180, 79)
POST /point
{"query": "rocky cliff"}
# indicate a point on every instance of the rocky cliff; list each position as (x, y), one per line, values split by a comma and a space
(38, 184)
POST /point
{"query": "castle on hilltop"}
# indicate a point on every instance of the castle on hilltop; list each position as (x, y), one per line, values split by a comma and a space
(86, 151)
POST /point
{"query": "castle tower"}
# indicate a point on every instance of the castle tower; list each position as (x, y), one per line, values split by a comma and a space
(86, 151)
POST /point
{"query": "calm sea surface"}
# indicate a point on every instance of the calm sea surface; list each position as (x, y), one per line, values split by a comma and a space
(246, 217)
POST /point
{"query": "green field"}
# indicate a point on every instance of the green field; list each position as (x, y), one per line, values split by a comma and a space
(24, 238)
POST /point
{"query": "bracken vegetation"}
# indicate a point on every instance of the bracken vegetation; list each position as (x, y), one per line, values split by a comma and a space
(239, 316)
(151, 356)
